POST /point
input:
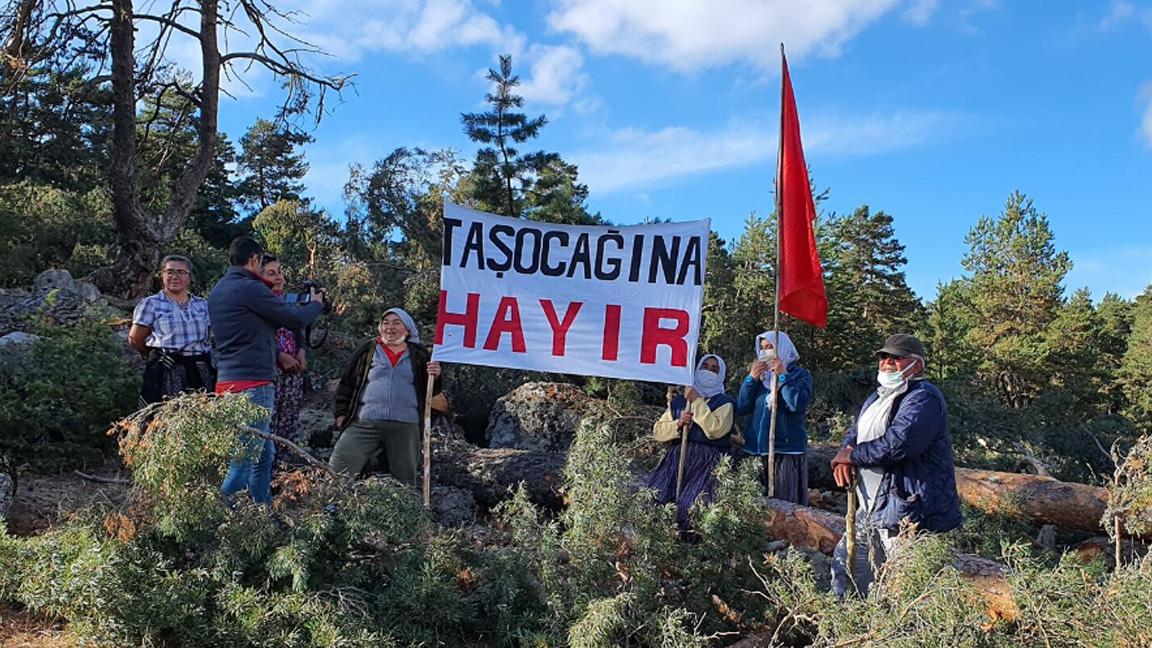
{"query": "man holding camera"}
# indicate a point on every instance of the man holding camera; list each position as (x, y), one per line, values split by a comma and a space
(245, 314)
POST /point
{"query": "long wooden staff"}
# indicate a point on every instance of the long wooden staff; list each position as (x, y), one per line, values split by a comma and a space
(428, 441)
(683, 455)
(850, 528)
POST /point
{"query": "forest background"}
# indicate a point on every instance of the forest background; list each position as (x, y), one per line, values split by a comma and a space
(106, 168)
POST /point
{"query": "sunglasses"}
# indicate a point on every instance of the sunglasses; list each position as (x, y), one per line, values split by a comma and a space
(888, 356)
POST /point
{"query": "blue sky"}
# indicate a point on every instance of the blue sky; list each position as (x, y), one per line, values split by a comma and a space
(933, 111)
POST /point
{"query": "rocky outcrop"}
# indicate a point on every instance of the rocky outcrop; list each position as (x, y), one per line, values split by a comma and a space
(56, 299)
(7, 486)
(493, 474)
(537, 416)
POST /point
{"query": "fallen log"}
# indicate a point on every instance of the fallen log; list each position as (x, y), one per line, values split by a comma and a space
(1039, 499)
(818, 530)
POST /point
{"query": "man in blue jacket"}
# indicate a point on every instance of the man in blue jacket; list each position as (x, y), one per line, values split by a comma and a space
(245, 314)
(900, 452)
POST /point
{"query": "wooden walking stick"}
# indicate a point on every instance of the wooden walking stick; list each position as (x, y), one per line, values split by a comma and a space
(850, 529)
(428, 441)
(683, 455)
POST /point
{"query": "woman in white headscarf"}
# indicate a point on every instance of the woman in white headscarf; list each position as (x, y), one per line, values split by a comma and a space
(705, 412)
(779, 363)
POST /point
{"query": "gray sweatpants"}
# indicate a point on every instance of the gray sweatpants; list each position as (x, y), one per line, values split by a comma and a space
(362, 439)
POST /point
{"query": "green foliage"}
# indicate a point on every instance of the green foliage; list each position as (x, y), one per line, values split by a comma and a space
(1016, 293)
(270, 165)
(537, 185)
(41, 227)
(1130, 493)
(304, 238)
(1136, 368)
(59, 397)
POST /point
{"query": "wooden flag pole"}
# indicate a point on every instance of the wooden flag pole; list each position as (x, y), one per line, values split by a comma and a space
(428, 441)
(776, 299)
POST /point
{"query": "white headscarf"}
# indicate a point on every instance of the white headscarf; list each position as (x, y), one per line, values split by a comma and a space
(711, 387)
(786, 351)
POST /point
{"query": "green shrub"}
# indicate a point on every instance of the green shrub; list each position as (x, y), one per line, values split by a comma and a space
(58, 398)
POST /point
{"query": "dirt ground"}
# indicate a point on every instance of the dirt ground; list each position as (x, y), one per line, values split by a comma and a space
(22, 629)
(40, 501)
(43, 499)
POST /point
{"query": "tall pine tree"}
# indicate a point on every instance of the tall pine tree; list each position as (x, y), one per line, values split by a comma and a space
(1016, 276)
(271, 166)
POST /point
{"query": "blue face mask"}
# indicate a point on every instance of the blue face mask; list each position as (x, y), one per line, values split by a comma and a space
(890, 379)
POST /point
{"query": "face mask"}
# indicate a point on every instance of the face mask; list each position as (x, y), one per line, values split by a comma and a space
(707, 378)
(890, 379)
(767, 355)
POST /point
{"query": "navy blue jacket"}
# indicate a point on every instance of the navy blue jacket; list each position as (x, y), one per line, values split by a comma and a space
(696, 433)
(245, 314)
(793, 394)
(916, 455)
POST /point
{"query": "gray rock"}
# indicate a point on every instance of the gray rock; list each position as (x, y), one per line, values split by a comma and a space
(7, 487)
(313, 422)
(537, 416)
(452, 506)
(18, 338)
(53, 279)
(89, 292)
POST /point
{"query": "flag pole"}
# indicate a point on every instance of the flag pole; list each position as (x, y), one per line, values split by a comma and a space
(776, 299)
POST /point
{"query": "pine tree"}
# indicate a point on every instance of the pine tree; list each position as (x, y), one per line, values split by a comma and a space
(271, 166)
(951, 317)
(1136, 369)
(1076, 364)
(537, 185)
(1016, 276)
(867, 294)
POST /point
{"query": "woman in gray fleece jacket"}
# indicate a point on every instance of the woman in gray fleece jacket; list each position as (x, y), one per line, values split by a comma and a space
(380, 400)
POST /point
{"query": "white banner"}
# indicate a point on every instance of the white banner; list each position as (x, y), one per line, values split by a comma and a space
(620, 302)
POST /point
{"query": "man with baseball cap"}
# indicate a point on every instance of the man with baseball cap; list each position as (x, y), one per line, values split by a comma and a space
(898, 454)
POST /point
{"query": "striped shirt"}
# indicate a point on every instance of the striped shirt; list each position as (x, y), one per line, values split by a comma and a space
(183, 329)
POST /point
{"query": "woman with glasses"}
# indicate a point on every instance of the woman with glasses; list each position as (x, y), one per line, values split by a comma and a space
(171, 330)
(291, 361)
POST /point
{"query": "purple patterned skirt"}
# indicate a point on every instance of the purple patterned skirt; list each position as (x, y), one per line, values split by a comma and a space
(698, 480)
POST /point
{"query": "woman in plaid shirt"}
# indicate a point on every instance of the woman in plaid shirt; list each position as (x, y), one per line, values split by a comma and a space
(170, 330)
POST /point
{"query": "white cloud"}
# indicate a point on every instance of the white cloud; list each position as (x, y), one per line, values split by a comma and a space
(348, 31)
(1118, 13)
(919, 12)
(554, 75)
(633, 158)
(691, 36)
(1146, 120)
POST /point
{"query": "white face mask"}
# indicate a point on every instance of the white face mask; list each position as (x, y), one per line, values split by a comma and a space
(707, 378)
(767, 355)
(893, 379)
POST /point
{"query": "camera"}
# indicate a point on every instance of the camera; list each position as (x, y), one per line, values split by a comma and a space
(304, 294)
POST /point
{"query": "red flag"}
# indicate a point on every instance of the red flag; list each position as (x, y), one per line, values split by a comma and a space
(801, 278)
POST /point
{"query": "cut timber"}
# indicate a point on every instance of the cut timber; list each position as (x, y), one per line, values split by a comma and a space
(1042, 500)
(814, 529)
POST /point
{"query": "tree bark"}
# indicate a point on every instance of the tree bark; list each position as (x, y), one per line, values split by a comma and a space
(818, 530)
(1035, 498)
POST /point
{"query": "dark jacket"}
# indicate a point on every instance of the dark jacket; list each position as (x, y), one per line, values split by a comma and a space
(355, 378)
(916, 455)
(696, 433)
(245, 314)
(793, 394)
